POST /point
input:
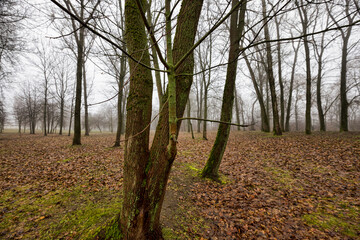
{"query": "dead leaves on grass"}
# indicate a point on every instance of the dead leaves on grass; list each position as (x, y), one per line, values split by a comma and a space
(278, 185)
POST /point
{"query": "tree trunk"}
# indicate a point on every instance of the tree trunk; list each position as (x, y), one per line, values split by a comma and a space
(205, 113)
(146, 173)
(252, 127)
(344, 105)
(135, 218)
(86, 107)
(119, 102)
(265, 127)
(79, 70)
(305, 22)
(45, 107)
(318, 96)
(236, 28)
(200, 106)
(288, 109)
(61, 115)
(237, 111)
(189, 121)
(71, 114)
(270, 74)
(281, 84)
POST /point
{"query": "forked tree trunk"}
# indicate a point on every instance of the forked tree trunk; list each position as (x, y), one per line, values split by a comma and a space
(146, 172)
(236, 28)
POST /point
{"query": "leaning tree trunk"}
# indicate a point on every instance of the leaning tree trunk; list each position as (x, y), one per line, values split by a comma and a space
(236, 28)
(146, 172)
(265, 126)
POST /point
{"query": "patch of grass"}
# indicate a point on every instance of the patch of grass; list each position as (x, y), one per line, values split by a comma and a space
(66, 213)
(196, 172)
(168, 233)
(282, 176)
(188, 220)
(342, 218)
(65, 160)
(185, 153)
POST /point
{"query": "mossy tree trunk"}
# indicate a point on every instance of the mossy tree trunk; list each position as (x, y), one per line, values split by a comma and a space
(146, 171)
(236, 28)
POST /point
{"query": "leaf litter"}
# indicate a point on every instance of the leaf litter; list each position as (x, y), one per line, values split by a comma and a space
(289, 187)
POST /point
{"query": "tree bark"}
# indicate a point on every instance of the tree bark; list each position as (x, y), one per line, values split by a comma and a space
(61, 115)
(119, 100)
(270, 75)
(281, 84)
(288, 109)
(86, 107)
(237, 111)
(304, 23)
(146, 172)
(190, 128)
(236, 28)
(345, 35)
(265, 127)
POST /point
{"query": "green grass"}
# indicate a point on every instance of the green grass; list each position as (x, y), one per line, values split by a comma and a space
(343, 218)
(58, 214)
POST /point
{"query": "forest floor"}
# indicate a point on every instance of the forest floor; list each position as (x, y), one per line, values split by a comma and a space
(289, 187)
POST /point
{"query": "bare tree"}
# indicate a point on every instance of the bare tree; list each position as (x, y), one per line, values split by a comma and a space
(236, 30)
(305, 23)
(345, 36)
(291, 87)
(62, 78)
(270, 73)
(10, 43)
(46, 66)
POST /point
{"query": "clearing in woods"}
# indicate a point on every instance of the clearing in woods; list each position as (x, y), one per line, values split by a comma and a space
(289, 187)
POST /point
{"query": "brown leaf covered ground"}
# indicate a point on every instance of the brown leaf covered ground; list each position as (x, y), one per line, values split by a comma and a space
(289, 187)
